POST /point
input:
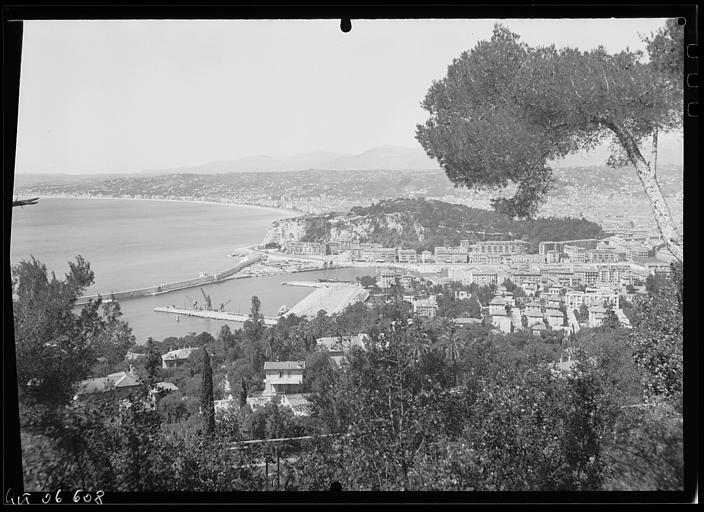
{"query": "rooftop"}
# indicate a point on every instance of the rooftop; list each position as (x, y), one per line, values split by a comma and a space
(113, 381)
(298, 403)
(284, 365)
(336, 343)
(166, 386)
(467, 320)
(179, 354)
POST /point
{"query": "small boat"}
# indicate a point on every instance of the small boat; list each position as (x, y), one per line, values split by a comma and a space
(283, 309)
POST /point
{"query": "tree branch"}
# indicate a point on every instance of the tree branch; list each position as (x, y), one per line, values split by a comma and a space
(25, 202)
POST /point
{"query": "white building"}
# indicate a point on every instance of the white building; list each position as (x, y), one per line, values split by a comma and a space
(597, 314)
(555, 318)
(502, 323)
(427, 308)
(283, 377)
(497, 306)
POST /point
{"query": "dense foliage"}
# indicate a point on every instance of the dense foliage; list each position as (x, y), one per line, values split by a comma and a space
(55, 346)
(443, 224)
(425, 405)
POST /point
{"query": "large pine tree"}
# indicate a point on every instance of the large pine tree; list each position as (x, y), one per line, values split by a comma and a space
(207, 404)
(506, 109)
(153, 362)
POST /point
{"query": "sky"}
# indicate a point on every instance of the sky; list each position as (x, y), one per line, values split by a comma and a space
(130, 95)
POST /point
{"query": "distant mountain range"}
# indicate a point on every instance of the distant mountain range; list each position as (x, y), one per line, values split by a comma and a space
(392, 158)
(378, 158)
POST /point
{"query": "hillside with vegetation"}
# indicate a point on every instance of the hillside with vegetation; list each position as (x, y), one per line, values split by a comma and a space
(420, 389)
(423, 224)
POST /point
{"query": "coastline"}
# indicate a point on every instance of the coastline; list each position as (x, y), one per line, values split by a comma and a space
(287, 214)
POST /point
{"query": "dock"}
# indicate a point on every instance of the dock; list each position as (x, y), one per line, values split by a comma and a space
(213, 315)
(329, 297)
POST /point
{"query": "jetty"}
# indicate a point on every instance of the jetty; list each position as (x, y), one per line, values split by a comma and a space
(178, 285)
(213, 315)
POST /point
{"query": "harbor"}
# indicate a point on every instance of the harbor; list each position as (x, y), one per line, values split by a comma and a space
(331, 297)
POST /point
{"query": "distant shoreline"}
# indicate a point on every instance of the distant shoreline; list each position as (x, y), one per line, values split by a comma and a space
(285, 212)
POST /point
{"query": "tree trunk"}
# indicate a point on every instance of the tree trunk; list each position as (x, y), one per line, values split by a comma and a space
(654, 153)
(646, 174)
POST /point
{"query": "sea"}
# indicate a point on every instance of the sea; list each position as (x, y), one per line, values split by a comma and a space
(139, 243)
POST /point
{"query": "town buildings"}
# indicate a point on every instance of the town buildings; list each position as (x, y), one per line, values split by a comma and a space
(427, 308)
(504, 247)
(306, 248)
(597, 314)
(407, 256)
(119, 384)
(283, 377)
(591, 297)
(451, 255)
(283, 383)
(339, 346)
(387, 279)
(481, 275)
(176, 358)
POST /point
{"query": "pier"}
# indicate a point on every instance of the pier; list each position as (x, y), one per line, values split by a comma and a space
(329, 297)
(213, 315)
(309, 284)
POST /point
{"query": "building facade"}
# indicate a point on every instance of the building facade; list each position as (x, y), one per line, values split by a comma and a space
(407, 256)
(450, 255)
(176, 358)
(283, 377)
(502, 247)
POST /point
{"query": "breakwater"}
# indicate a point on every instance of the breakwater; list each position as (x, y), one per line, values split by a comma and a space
(178, 285)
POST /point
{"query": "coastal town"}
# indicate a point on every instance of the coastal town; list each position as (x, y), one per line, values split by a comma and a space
(448, 261)
(561, 276)
(566, 286)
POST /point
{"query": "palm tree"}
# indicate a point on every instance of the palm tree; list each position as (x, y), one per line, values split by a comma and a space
(271, 348)
(451, 342)
(419, 345)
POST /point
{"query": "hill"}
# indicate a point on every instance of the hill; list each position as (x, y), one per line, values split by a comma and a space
(422, 224)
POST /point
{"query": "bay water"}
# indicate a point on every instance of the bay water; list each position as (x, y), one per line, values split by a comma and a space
(139, 243)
